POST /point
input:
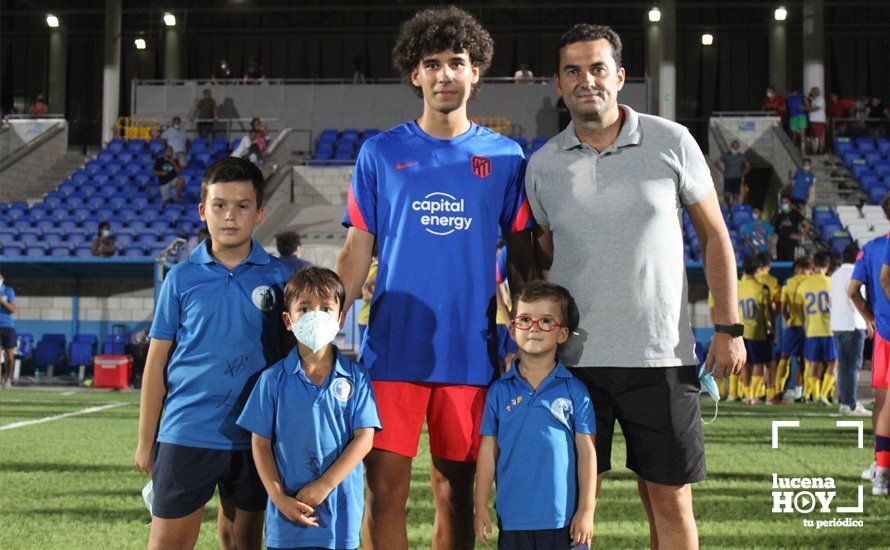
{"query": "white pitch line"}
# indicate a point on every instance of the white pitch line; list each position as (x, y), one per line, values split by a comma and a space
(59, 416)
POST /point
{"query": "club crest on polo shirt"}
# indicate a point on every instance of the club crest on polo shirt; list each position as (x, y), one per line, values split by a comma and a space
(342, 389)
(442, 214)
(561, 409)
(263, 298)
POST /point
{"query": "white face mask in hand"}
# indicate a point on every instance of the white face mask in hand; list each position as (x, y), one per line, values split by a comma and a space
(315, 329)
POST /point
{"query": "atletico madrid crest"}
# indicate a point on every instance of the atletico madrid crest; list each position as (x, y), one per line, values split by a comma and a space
(481, 166)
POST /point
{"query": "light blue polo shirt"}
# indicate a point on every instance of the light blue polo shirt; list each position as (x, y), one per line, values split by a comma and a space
(226, 326)
(537, 481)
(8, 294)
(310, 427)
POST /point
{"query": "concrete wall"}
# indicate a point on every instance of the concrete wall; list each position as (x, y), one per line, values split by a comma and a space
(21, 179)
(313, 107)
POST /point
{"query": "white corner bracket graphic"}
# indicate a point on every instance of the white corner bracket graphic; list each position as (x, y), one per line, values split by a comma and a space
(852, 509)
(852, 424)
(782, 424)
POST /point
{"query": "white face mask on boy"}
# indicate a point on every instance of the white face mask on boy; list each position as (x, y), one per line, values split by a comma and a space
(315, 329)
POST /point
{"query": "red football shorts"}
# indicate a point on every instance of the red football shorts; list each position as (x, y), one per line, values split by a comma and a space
(880, 360)
(453, 415)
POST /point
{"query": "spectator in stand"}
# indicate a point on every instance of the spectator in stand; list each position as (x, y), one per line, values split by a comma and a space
(39, 107)
(523, 75)
(222, 74)
(261, 137)
(774, 103)
(817, 119)
(255, 72)
(734, 166)
(206, 112)
(849, 329)
(802, 182)
(758, 234)
(103, 244)
(244, 145)
(8, 308)
(797, 119)
(289, 249)
(167, 170)
(174, 136)
(789, 225)
(193, 242)
(839, 109)
(254, 155)
(877, 114)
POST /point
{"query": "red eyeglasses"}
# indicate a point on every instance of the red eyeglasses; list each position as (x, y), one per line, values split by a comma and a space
(545, 324)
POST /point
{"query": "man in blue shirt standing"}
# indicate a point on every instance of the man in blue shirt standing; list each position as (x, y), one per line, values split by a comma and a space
(8, 308)
(802, 182)
(435, 193)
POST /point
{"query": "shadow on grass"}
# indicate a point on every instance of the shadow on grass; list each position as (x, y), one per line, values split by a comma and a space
(60, 467)
(91, 515)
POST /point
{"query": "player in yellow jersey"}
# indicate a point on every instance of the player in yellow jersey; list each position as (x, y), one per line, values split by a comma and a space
(765, 278)
(820, 351)
(793, 336)
(754, 308)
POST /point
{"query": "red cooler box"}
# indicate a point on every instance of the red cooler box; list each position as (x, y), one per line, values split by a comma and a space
(112, 371)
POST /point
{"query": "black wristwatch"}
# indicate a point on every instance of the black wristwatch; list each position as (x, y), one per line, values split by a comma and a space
(735, 330)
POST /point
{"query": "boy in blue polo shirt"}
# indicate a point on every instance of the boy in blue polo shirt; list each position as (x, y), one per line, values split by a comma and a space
(537, 435)
(221, 310)
(313, 419)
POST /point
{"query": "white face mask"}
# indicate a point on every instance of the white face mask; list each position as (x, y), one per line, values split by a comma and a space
(315, 329)
(106, 233)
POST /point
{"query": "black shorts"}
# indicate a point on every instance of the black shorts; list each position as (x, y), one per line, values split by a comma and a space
(184, 479)
(7, 338)
(732, 186)
(658, 410)
(539, 539)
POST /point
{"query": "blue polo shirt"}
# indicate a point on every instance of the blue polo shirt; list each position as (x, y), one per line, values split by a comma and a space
(8, 294)
(226, 326)
(867, 270)
(803, 180)
(310, 427)
(537, 481)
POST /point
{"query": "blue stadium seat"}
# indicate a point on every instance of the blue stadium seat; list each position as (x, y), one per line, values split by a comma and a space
(81, 214)
(24, 345)
(125, 157)
(108, 190)
(123, 240)
(74, 202)
(13, 250)
(46, 225)
(54, 239)
(136, 144)
(101, 178)
(67, 187)
(68, 226)
(8, 239)
(60, 252)
(82, 349)
(147, 240)
(30, 239)
(52, 201)
(83, 251)
(134, 252)
(35, 251)
(118, 202)
(105, 156)
(127, 213)
(50, 350)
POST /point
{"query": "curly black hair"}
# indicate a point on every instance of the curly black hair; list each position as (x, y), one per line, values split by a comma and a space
(437, 29)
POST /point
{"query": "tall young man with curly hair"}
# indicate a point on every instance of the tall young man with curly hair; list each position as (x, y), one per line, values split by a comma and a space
(435, 193)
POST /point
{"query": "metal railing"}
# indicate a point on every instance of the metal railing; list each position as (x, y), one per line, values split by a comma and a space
(860, 127)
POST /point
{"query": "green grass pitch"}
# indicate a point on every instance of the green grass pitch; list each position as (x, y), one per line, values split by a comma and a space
(71, 483)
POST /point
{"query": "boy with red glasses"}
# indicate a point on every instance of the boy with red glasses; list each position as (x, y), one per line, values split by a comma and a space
(538, 432)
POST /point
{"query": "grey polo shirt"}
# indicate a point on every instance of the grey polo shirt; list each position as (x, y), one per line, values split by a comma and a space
(617, 238)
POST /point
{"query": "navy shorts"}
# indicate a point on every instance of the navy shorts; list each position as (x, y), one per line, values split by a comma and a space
(539, 539)
(732, 186)
(7, 338)
(760, 352)
(185, 478)
(792, 341)
(820, 349)
(659, 413)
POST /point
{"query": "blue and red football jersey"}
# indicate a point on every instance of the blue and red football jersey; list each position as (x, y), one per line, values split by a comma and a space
(867, 270)
(437, 207)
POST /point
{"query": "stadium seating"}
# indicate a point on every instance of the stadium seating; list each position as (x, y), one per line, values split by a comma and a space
(82, 349)
(50, 351)
(116, 187)
(869, 163)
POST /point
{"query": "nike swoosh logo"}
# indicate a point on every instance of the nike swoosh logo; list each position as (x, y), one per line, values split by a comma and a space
(403, 165)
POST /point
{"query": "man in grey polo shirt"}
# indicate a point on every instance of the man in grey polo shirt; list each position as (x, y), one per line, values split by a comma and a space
(607, 193)
(734, 166)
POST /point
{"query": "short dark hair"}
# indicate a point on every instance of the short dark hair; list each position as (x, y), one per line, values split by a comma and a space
(765, 259)
(287, 243)
(536, 291)
(850, 253)
(885, 206)
(822, 259)
(229, 169)
(433, 30)
(320, 281)
(585, 32)
(751, 264)
(804, 262)
(103, 225)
